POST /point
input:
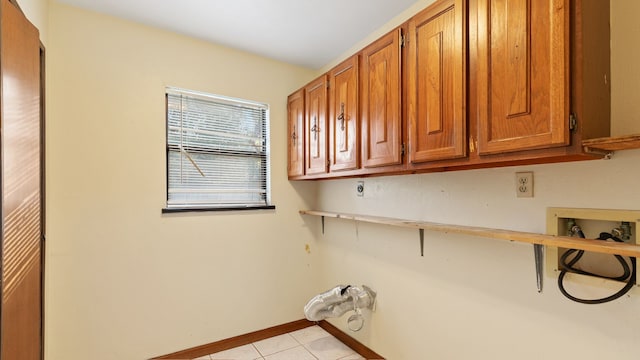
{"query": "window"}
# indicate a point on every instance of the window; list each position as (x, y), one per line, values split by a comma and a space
(217, 152)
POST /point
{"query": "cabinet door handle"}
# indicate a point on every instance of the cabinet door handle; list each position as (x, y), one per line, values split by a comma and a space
(294, 137)
(315, 129)
(341, 116)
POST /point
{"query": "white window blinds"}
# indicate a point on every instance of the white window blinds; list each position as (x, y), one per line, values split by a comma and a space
(217, 152)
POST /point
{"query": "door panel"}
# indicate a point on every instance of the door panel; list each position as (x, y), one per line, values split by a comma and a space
(295, 109)
(435, 83)
(343, 116)
(21, 322)
(316, 134)
(523, 81)
(380, 102)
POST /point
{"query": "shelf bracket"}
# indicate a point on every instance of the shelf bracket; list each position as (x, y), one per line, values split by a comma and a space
(421, 231)
(606, 155)
(538, 252)
(322, 220)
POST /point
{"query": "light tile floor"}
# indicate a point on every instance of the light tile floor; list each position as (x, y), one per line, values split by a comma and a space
(312, 343)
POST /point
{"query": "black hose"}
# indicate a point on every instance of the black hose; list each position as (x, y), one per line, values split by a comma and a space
(629, 274)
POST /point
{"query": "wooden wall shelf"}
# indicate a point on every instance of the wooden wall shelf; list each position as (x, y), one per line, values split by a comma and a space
(597, 246)
(609, 144)
(539, 241)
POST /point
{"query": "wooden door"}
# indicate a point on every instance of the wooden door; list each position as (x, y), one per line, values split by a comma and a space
(380, 102)
(344, 129)
(21, 312)
(523, 74)
(295, 111)
(436, 83)
(316, 134)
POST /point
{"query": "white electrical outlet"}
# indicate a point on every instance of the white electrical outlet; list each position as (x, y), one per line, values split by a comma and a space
(524, 184)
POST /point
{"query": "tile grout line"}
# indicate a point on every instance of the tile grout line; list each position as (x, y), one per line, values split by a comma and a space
(299, 344)
(282, 350)
(258, 351)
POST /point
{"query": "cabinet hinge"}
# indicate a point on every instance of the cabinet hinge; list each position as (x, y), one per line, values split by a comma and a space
(402, 149)
(573, 122)
(404, 39)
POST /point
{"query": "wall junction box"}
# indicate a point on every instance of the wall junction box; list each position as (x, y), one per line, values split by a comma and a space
(592, 222)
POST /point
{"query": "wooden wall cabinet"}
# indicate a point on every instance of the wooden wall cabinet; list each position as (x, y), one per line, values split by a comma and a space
(295, 127)
(436, 83)
(316, 134)
(344, 120)
(380, 98)
(466, 84)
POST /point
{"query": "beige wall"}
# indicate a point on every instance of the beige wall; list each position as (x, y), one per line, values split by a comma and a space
(474, 298)
(122, 280)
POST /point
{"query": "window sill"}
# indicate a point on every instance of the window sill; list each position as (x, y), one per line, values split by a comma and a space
(217, 209)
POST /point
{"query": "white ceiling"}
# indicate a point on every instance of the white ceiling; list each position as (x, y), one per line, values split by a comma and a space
(310, 33)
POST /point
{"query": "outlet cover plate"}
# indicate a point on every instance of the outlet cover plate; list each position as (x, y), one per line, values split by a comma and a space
(524, 184)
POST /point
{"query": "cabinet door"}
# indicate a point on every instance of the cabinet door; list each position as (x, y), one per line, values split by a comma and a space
(21, 193)
(523, 74)
(295, 110)
(380, 102)
(435, 83)
(343, 116)
(316, 126)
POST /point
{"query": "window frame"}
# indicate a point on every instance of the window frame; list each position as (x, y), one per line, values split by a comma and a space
(219, 99)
